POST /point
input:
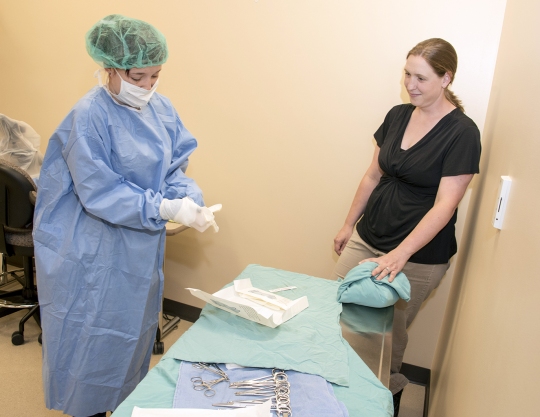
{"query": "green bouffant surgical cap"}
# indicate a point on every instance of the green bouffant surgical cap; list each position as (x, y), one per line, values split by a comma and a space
(118, 41)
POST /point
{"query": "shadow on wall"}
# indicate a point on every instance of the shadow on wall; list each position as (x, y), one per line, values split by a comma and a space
(452, 311)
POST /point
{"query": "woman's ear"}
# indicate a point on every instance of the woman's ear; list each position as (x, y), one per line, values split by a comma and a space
(447, 79)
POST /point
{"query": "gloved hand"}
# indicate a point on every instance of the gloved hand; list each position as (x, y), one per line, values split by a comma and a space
(168, 209)
(187, 212)
(204, 219)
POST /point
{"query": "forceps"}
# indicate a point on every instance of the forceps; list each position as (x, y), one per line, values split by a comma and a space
(241, 404)
(200, 385)
(212, 367)
(206, 386)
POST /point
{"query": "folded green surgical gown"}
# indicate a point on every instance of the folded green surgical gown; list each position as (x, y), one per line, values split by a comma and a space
(360, 287)
(99, 245)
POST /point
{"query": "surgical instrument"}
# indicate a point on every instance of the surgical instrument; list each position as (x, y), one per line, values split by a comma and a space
(212, 367)
(276, 385)
(239, 404)
(206, 386)
(201, 385)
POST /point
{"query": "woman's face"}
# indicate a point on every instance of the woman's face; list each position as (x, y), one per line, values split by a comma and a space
(424, 86)
(141, 77)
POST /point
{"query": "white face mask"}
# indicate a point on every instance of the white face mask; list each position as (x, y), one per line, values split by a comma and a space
(132, 95)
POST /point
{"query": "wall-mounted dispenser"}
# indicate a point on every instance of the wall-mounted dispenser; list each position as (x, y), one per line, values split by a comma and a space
(502, 201)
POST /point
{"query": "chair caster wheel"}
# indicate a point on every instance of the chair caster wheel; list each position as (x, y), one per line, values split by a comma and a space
(17, 338)
(39, 339)
(159, 348)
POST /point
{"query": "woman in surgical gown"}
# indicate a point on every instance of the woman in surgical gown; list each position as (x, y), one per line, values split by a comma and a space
(110, 168)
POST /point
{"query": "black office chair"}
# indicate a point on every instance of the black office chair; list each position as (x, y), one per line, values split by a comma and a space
(17, 199)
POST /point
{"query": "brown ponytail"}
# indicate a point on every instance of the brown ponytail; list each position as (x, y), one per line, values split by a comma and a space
(442, 57)
(452, 98)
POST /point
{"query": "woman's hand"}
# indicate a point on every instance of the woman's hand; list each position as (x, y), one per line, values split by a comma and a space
(342, 238)
(390, 264)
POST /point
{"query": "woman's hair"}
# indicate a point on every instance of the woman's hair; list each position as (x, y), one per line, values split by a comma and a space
(442, 57)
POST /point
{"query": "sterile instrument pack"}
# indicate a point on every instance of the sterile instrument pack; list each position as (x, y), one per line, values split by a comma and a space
(244, 300)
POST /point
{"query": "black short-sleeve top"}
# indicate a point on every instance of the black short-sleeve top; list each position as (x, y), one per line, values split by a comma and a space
(409, 185)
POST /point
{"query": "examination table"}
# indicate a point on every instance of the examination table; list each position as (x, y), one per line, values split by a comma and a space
(327, 339)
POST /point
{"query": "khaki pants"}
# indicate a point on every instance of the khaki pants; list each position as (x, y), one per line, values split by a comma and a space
(423, 278)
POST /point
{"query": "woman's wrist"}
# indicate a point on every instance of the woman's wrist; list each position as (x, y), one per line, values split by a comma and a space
(403, 251)
(348, 226)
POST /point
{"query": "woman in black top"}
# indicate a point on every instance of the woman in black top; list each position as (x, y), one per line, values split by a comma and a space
(427, 153)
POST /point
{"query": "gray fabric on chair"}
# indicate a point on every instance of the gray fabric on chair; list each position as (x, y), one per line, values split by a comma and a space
(20, 239)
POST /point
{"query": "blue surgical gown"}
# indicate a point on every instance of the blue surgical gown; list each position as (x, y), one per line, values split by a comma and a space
(99, 243)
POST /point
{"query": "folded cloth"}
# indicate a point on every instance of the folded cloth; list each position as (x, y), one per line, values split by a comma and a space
(310, 342)
(360, 287)
(310, 395)
(364, 397)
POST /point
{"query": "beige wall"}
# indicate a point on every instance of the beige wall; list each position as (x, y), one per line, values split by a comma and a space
(487, 365)
(284, 97)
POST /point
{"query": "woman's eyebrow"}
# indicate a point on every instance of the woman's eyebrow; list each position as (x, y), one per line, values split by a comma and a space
(140, 73)
(417, 75)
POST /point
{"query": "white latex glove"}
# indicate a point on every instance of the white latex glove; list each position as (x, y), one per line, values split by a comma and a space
(205, 218)
(180, 210)
(187, 212)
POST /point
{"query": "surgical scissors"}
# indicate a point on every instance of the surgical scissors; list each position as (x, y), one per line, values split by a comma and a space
(206, 386)
(201, 385)
(241, 404)
(212, 367)
(275, 386)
